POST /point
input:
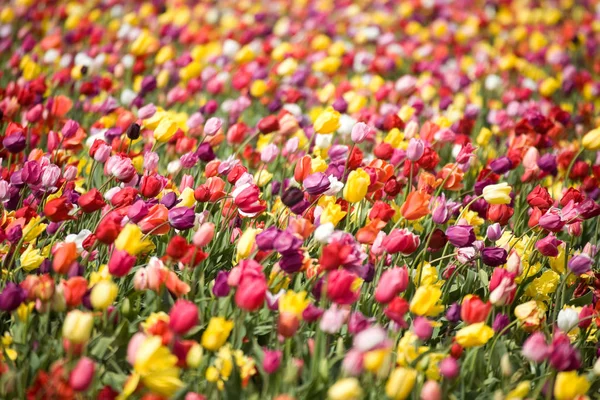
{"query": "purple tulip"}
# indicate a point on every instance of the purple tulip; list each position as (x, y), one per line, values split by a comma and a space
(221, 288)
(11, 297)
(494, 256)
(15, 142)
(316, 184)
(292, 262)
(501, 165)
(580, 263)
(265, 239)
(286, 243)
(460, 235)
(182, 218)
(494, 232)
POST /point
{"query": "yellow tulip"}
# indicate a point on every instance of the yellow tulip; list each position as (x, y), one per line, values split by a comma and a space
(357, 186)
(345, 389)
(569, 385)
(328, 121)
(425, 302)
(216, 333)
(131, 239)
(401, 383)
(591, 140)
(77, 327)
(157, 367)
(31, 259)
(474, 335)
(246, 243)
(497, 194)
(103, 294)
(165, 130)
(293, 303)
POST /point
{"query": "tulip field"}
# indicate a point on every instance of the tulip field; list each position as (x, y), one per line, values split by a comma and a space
(300, 199)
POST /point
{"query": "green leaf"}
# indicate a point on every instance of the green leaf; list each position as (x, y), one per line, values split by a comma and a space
(100, 347)
(583, 300)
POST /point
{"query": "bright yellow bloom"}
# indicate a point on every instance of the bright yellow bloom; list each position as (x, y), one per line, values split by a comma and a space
(549, 86)
(33, 229)
(187, 198)
(157, 367)
(591, 140)
(165, 130)
(131, 239)
(425, 302)
(216, 333)
(400, 383)
(569, 385)
(332, 213)
(374, 360)
(103, 294)
(345, 389)
(357, 186)
(78, 326)
(520, 392)
(246, 243)
(327, 122)
(540, 288)
(497, 194)
(31, 258)
(474, 335)
(293, 303)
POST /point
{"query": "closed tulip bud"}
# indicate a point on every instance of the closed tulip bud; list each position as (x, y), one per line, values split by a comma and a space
(216, 333)
(400, 383)
(449, 368)
(133, 132)
(183, 316)
(591, 140)
(431, 391)
(415, 150)
(422, 328)
(392, 282)
(120, 263)
(82, 375)
(212, 126)
(357, 186)
(497, 194)
(271, 360)
(77, 327)
(288, 324)
(194, 356)
(360, 131)
(345, 389)
(204, 235)
(103, 294)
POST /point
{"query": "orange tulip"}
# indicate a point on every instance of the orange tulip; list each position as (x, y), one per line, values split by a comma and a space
(64, 255)
(427, 182)
(302, 169)
(453, 177)
(415, 206)
(155, 221)
(74, 289)
(368, 233)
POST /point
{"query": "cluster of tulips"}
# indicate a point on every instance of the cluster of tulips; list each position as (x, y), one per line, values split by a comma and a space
(299, 199)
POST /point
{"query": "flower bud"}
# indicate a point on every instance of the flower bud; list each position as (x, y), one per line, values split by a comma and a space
(82, 375)
(77, 327)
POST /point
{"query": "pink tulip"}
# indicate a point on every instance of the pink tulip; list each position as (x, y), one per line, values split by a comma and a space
(82, 375)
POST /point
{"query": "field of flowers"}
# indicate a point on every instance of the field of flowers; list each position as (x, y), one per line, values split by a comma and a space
(299, 199)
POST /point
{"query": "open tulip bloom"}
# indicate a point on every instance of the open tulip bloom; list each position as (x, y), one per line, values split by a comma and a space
(299, 200)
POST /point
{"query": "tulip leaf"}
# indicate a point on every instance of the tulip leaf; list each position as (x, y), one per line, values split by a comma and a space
(100, 347)
(582, 300)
